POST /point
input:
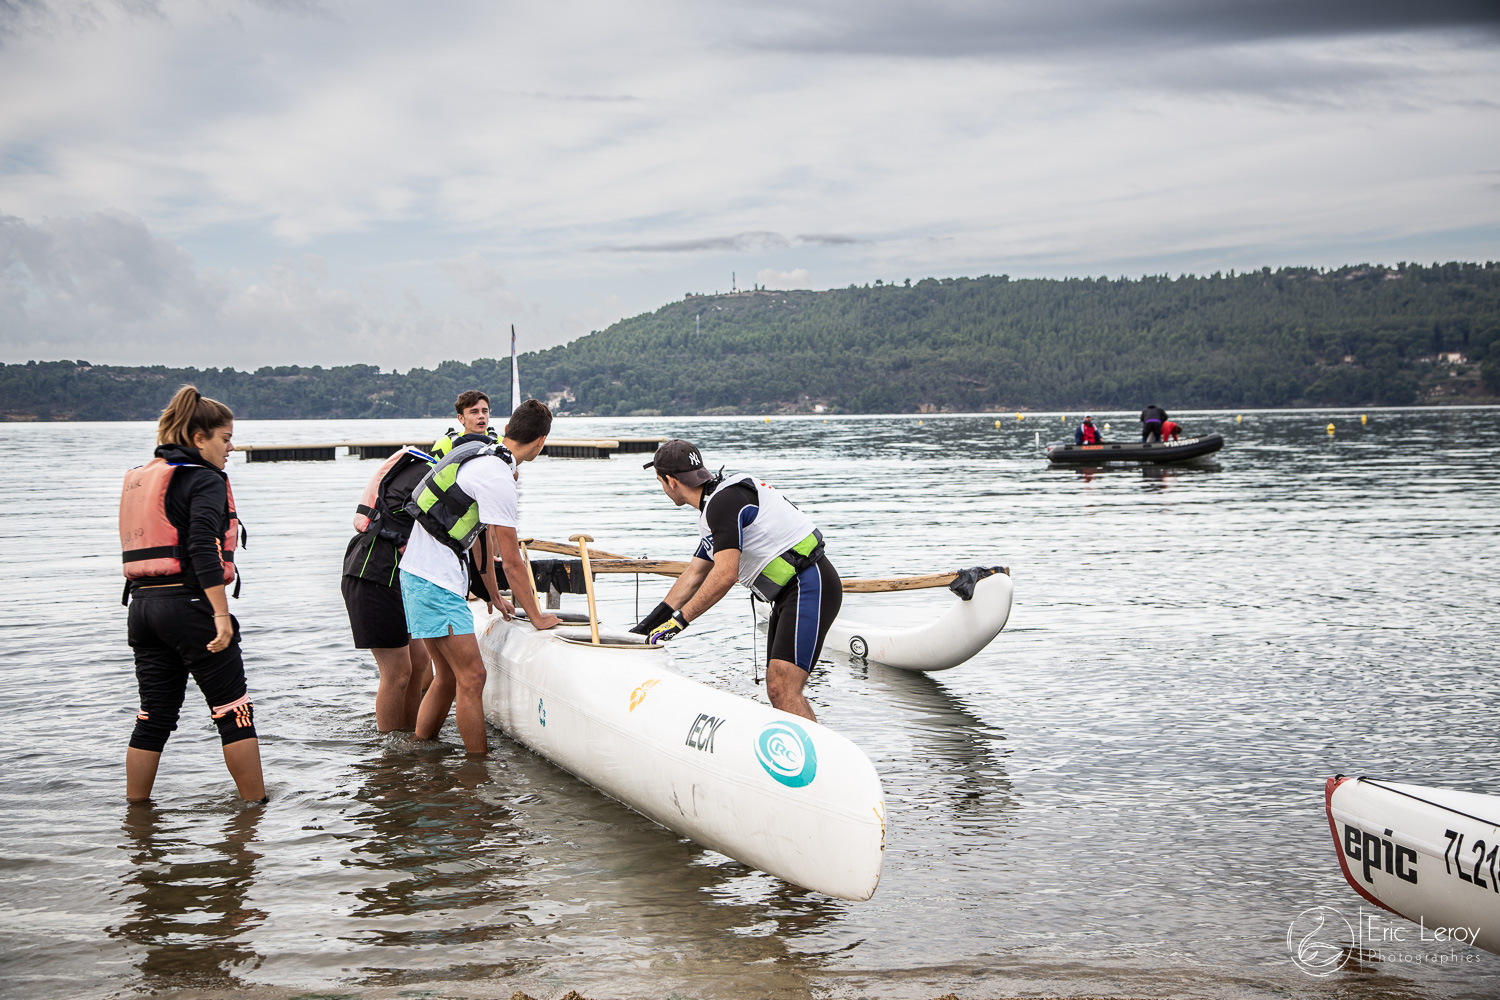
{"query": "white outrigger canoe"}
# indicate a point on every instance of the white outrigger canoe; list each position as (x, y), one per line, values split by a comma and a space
(939, 644)
(1431, 855)
(773, 791)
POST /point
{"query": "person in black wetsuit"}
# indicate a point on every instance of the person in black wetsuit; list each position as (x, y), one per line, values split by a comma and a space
(750, 532)
(178, 534)
(1152, 417)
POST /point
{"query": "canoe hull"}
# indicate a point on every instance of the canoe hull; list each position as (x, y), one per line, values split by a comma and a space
(964, 629)
(1155, 453)
(1427, 854)
(773, 791)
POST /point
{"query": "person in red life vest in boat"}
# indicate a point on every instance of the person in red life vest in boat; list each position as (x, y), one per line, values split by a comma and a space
(372, 589)
(178, 534)
(1170, 430)
(1087, 433)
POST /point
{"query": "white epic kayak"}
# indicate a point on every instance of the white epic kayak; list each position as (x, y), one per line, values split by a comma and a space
(778, 793)
(941, 643)
(1427, 854)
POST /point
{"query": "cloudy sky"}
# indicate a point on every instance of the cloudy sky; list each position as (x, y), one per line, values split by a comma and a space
(229, 182)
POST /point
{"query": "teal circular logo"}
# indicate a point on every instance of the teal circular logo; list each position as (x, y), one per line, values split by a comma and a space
(787, 754)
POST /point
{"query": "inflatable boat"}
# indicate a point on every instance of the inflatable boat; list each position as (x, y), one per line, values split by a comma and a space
(1155, 452)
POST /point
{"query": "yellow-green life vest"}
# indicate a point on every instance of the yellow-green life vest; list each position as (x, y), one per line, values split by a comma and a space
(452, 437)
(445, 510)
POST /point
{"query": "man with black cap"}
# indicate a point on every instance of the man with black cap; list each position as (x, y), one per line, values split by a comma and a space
(751, 533)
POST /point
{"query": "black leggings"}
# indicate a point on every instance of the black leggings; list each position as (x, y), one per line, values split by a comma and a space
(170, 629)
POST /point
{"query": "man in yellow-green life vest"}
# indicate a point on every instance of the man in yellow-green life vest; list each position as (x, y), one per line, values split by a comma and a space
(473, 409)
(749, 532)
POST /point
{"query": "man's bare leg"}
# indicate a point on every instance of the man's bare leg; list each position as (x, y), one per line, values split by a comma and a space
(392, 695)
(439, 696)
(461, 678)
(417, 681)
(784, 681)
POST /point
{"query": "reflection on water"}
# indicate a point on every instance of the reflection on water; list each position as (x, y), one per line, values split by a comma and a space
(1121, 795)
(188, 901)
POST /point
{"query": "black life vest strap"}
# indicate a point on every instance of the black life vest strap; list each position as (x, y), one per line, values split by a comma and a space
(160, 552)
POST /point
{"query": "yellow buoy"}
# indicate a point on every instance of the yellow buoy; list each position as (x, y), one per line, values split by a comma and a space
(768, 420)
(1363, 419)
(919, 423)
(1020, 416)
(1238, 418)
(1063, 418)
(997, 424)
(1330, 428)
(1106, 426)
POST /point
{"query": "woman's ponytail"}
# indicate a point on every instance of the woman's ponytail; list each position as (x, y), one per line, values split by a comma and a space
(189, 413)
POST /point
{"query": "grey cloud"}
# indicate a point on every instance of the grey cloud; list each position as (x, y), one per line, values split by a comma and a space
(826, 239)
(1023, 28)
(107, 267)
(540, 95)
(1277, 75)
(740, 242)
(748, 242)
(105, 288)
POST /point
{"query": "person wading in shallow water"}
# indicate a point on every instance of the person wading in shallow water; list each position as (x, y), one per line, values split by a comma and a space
(750, 532)
(178, 534)
(472, 490)
(372, 589)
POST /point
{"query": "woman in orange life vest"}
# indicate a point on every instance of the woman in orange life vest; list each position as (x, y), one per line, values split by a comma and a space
(178, 533)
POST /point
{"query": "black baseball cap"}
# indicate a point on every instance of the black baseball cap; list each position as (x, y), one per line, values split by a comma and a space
(682, 461)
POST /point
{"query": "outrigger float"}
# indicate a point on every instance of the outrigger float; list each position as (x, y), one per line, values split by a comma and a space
(1426, 854)
(942, 643)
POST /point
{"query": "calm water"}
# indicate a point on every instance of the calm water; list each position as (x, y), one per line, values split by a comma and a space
(1122, 795)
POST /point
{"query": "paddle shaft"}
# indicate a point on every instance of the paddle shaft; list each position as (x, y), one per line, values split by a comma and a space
(588, 583)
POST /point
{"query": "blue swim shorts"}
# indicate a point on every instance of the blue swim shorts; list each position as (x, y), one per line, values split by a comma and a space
(433, 611)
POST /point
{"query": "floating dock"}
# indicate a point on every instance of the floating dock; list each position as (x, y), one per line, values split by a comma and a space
(555, 448)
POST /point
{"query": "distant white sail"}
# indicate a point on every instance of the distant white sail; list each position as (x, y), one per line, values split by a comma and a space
(515, 372)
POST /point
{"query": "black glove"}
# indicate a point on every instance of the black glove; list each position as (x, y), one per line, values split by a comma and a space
(668, 629)
(659, 614)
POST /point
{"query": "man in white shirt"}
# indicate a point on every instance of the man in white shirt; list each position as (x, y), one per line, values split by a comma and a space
(472, 490)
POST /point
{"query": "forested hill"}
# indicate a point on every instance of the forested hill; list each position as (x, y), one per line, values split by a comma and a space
(1297, 336)
(1267, 338)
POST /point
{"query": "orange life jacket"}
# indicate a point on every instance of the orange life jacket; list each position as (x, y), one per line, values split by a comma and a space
(371, 508)
(149, 542)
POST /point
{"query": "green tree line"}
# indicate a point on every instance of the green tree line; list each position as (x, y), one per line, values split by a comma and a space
(1355, 335)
